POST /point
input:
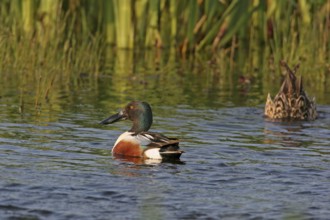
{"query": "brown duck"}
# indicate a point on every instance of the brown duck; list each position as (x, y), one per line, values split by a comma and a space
(291, 102)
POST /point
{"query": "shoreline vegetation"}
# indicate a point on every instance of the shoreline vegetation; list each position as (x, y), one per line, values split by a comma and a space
(43, 42)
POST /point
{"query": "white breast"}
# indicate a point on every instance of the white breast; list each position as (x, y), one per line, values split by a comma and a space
(127, 136)
(142, 140)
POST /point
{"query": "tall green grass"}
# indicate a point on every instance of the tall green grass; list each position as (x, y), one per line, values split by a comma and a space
(45, 41)
(189, 26)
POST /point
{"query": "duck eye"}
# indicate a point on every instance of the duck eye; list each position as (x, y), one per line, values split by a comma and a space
(131, 107)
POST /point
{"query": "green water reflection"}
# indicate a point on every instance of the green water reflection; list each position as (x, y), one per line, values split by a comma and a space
(159, 77)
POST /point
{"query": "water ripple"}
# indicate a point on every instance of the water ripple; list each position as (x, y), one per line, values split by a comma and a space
(237, 165)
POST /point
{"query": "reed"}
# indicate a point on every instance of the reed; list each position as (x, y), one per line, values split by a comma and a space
(28, 8)
(124, 25)
(203, 24)
(152, 37)
(67, 37)
(109, 22)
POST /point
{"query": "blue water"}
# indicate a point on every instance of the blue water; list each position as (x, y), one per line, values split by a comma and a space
(56, 160)
(236, 165)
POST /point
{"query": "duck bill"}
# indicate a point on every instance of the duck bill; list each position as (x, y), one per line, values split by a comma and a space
(114, 118)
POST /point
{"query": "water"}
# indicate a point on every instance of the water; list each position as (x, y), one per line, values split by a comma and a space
(56, 160)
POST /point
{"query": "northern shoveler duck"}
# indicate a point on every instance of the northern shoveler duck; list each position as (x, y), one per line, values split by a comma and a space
(138, 142)
(291, 102)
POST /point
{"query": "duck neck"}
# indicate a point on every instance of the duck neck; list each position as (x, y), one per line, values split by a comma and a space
(141, 125)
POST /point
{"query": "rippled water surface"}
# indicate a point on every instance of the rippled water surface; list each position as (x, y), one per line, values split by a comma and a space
(56, 161)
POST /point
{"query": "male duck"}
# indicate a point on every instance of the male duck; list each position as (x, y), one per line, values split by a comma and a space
(138, 142)
(291, 102)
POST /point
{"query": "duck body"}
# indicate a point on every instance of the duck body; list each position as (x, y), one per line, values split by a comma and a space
(291, 102)
(138, 141)
(148, 145)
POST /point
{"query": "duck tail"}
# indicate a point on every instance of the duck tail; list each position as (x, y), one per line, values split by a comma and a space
(170, 152)
(171, 155)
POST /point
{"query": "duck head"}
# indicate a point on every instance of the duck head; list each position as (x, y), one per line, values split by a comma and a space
(138, 112)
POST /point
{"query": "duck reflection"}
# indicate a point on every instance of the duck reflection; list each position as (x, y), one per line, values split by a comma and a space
(145, 161)
(135, 166)
(285, 133)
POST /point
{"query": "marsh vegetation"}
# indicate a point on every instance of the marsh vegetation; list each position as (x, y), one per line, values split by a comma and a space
(47, 45)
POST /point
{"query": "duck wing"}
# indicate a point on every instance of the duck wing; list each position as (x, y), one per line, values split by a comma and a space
(159, 140)
(168, 147)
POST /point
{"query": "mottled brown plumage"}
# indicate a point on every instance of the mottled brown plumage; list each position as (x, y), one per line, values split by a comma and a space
(291, 102)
